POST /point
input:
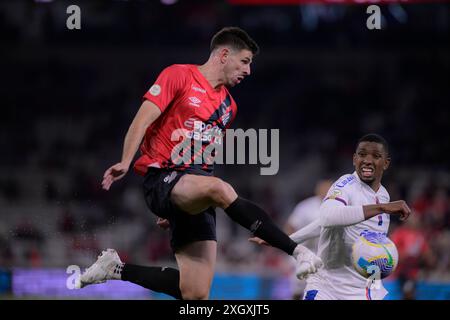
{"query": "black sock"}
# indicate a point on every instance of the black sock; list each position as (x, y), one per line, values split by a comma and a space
(159, 279)
(255, 219)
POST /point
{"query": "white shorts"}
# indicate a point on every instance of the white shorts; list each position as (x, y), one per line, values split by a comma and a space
(317, 292)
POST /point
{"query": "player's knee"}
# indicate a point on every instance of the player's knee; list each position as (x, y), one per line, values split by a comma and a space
(194, 293)
(221, 193)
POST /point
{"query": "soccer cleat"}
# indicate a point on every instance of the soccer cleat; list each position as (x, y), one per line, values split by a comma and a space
(107, 267)
(307, 262)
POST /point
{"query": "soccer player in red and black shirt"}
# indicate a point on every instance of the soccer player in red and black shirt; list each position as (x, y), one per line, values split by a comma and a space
(193, 100)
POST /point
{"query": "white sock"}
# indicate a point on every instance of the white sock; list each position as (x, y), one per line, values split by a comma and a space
(298, 249)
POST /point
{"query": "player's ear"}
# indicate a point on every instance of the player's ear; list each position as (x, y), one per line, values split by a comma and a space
(224, 53)
(354, 159)
(387, 162)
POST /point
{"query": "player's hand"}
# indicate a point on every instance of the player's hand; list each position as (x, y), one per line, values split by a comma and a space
(259, 241)
(163, 223)
(114, 173)
(397, 207)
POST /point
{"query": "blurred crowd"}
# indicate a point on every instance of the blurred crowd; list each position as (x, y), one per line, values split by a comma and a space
(67, 103)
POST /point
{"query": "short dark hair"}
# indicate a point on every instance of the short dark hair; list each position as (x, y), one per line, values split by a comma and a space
(236, 38)
(373, 137)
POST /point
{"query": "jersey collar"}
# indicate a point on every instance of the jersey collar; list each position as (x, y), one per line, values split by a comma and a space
(365, 185)
(201, 78)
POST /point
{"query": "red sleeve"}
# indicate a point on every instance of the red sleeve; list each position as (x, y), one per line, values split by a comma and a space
(167, 86)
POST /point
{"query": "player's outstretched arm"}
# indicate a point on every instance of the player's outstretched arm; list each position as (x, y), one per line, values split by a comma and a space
(309, 231)
(396, 207)
(333, 213)
(146, 115)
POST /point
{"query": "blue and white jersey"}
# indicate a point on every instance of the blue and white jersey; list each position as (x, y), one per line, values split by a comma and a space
(338, 277)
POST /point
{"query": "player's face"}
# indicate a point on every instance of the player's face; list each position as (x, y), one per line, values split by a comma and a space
(237, 66)
(370, 161)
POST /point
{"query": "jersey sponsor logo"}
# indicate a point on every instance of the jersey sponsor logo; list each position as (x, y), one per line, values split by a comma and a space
(198, 89)
(346, 181)
(189, 123)
(205, 132)
(202, 131)
(155, 90)
(194, 101)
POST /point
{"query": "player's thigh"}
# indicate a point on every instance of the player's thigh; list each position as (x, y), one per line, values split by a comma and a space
(195, 193)
(196, 261)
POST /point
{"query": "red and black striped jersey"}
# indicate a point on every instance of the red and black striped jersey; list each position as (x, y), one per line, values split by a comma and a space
(192, 112)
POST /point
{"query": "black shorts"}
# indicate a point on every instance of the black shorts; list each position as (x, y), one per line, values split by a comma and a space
(184, 227)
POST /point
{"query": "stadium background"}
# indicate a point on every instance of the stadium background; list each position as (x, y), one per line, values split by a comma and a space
(322, 78)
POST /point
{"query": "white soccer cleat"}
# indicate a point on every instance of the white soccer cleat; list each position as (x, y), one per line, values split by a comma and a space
(107, 267)
(307, 262)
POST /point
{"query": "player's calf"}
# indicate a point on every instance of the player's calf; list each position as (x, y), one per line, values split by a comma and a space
(197, 293)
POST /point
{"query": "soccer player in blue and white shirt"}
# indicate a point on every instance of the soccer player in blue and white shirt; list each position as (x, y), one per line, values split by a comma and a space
(356, 202)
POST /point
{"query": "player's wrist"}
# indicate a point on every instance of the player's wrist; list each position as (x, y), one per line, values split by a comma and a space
(126, 163)
(372, 210)
(382, 208)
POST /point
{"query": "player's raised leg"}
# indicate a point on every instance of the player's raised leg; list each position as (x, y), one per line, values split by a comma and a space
(108, 266)
(194, 193)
